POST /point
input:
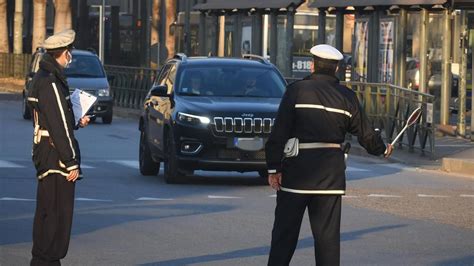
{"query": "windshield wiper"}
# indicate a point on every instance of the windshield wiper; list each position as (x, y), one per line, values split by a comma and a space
(189, 94)
(82, 75)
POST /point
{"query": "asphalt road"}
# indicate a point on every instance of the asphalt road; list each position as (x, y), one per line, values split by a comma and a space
(392, 214)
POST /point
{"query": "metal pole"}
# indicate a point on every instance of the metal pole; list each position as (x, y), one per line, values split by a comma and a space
(339, 30)
(202, 34)
(446, 69)
(423, 51)
(265, 36)
(257, 23)
(187, 27)
(472, 101)
(322, 26)
(373, 43)
(462, 89)
(237, 36)
(101, 31)
(221, 46)
(290, 22)
(402, 48)
(274, 37)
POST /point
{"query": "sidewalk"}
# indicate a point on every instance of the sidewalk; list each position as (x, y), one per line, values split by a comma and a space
(452, 154)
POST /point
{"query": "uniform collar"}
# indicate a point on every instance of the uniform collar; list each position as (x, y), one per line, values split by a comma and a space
(49, 64)
(323, 77)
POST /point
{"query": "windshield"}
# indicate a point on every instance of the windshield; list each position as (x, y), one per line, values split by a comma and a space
(231, 81)
(84, 66)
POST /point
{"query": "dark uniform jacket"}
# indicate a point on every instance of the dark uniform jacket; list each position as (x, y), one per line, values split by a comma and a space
(49, 95)
(318, 109)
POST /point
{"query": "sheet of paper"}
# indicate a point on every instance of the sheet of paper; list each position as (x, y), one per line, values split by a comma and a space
(81, 103)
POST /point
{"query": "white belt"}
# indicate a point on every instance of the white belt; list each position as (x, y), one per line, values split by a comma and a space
(318, 145)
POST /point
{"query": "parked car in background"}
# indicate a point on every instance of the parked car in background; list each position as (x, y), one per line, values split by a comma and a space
(209, 114)
(85, 72)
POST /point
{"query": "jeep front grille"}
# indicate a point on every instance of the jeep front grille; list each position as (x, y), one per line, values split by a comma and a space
(243, 125)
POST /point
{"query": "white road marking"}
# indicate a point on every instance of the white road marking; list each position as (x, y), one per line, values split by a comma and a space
(272, 196)
(7, 164)
(466, 196)
(383, 196)
(355, 169)
(15, 199)
(152, 199)
(432, 196)
(88, 199)
(127, 163)
(453, 145)
(222, 197)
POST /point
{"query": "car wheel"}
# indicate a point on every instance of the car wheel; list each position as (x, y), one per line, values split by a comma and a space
(25, 109)
(107, 119)
(147, 165)
(263, 173)
(172, 172)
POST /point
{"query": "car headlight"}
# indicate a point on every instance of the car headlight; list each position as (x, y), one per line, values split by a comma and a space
(193, 119)
(103, 92)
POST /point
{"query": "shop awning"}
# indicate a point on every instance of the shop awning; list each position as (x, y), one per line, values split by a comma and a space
(247, 4)
(357, 3)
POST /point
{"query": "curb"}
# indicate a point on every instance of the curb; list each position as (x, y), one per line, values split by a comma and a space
(456, 165)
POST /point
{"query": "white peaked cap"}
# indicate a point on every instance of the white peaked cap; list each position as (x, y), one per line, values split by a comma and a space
(326, 52)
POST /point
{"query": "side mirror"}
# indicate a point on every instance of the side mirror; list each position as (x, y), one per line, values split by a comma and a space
(159, 91)
(110, 78)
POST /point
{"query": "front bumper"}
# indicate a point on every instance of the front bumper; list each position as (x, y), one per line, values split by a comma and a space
(200, 148)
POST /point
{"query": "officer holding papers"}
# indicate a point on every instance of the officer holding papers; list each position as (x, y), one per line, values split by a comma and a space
(56, 153)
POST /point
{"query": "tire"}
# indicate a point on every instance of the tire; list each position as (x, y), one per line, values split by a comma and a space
(107, 119)
(148, 167)
(25, 109)
(172, 173)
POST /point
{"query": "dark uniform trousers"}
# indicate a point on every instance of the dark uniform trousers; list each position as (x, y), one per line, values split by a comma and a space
(325, 217)
(53, 220)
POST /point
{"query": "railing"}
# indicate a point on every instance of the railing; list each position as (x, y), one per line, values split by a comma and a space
(389, 106)
(14, 65)
(129, 85)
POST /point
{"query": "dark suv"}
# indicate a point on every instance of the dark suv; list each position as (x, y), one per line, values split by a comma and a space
(209, 114)
(86, 73)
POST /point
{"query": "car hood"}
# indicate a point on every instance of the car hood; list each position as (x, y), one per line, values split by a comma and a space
(235, 106)
(87, 83)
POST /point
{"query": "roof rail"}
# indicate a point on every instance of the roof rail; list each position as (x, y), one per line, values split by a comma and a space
(256, 57)
(181, 56)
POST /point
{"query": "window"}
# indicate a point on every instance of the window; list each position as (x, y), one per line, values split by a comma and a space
(231, 81)
(85, 66)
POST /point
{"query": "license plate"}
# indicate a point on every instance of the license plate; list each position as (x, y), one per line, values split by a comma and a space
(249, 144)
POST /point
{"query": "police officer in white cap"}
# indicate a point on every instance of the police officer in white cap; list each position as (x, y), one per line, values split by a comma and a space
(56, 152)
(309, 173)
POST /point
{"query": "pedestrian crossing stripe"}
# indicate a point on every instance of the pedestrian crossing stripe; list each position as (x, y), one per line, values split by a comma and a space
(8, 164)
(128, 163)
(355, 169)
(135, 165)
